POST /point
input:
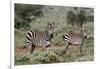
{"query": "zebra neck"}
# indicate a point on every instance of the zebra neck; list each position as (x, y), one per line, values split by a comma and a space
(49, 35)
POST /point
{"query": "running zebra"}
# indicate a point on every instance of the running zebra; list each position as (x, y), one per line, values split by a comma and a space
(40, 39)
(73, 38)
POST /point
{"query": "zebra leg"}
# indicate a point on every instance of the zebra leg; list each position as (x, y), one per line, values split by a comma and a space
(67, 48)
(32, 48)
(81, 46)
(68, 51)
(28, 47)
(48, 47)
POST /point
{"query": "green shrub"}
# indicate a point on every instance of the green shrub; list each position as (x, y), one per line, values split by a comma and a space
(45, 57)
(77, 18)
(25, 13)
(21, 59)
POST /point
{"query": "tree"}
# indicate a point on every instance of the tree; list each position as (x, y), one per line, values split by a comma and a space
(82, 17)
(71, 17)
(77, 17)
(25, 13)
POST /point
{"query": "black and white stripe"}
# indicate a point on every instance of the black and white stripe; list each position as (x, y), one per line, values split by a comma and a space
(73, 38)
(40, 39)
(67, 37)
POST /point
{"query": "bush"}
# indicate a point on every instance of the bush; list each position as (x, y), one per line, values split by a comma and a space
(25, 13)
(71, 17)
(21, 59)
(45, 57)
(77, 18)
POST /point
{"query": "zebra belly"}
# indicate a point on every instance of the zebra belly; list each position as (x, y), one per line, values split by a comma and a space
(76, 41)
(41, 43)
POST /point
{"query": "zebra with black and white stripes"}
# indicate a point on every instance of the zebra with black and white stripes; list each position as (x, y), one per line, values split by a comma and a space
(74, 39)
(40, 39)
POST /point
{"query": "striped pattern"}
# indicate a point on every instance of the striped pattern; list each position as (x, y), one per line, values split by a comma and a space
(29, 37)
(74, 39)
(40, 39)
(67, 37)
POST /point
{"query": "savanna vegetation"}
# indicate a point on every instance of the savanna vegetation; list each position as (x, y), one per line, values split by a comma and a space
(66, 19)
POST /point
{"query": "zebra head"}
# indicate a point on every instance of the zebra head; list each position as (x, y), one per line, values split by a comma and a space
(83, 32)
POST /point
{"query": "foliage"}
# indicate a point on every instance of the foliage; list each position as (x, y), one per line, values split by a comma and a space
(55, 55)
(82, 17)
(25, 13)
(71, 17)
(57, 52)
(79, 17)
(90, 18)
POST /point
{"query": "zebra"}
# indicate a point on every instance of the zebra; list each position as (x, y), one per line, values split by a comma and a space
(73, 38)
(40, 39)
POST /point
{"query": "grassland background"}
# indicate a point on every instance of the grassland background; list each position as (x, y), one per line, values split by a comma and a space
(55, 55)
